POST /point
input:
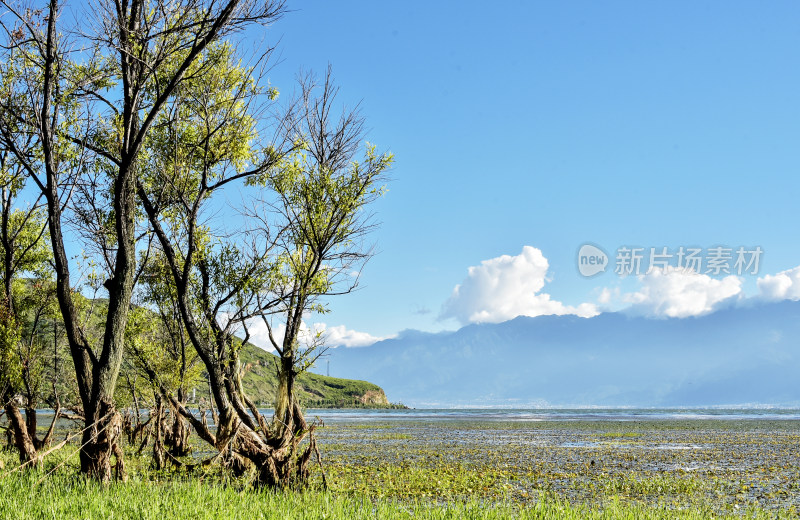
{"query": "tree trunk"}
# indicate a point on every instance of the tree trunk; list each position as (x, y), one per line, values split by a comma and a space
(103, 430)
(214, 416)
(32, 423)
(179, 436)
(158, 445)
(146, 432)
(284, 398)
(127, 425)
(285, 464)
(22, 438)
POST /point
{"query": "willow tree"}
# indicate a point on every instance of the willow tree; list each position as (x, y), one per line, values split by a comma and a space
(208, 140)
(159, 352)
(319, 197)
(90, 113)
(278, 263)
(27, 302)
(29, 316)
(321, 194)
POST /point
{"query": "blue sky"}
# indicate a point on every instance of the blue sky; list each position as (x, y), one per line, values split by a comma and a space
(555, 124)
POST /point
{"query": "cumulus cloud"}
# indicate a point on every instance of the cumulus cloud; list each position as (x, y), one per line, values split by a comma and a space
(341, 336)
(782, 286)
(505, 287)
(680, 293)
(336, 336)
(606, 295)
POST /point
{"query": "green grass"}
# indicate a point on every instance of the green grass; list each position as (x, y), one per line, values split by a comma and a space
(621, 435)
(653, 485)
(724, 467)
(67, 496)
(421, 469)
(393, 437)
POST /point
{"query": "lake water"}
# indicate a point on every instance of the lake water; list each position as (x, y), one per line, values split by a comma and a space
(579, 414)
(329, 415)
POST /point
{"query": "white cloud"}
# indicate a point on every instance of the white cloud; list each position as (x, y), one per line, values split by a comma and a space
(606, 294)
(505, 287)
(259, 335)
(782, 286)
(679, 293)
(341, 336)
(337, 336)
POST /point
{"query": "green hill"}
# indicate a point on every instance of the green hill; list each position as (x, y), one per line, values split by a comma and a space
(260, 380)
(313, 390)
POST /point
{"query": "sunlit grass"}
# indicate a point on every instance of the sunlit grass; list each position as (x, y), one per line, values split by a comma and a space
(69, 496)
(458, 470)
(393, 437)
(621, 435)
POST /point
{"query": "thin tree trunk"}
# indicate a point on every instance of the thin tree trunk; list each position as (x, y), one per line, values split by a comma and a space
(158, 445)
(214, 416)
(49, 435)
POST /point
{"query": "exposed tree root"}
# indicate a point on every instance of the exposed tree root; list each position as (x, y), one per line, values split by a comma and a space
(100, 443)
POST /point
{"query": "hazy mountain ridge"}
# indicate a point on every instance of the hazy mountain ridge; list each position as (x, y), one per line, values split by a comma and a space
(737, 355)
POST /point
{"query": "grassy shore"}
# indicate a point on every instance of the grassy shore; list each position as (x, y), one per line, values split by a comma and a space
(454, 469)
(64, 496)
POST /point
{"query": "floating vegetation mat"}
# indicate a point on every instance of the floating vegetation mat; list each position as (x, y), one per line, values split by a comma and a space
(724, 466)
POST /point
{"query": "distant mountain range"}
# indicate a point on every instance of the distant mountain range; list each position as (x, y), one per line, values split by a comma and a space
(738, 356)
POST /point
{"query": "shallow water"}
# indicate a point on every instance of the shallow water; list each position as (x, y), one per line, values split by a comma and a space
(557, 414)
(531, 414)
(727, 459)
